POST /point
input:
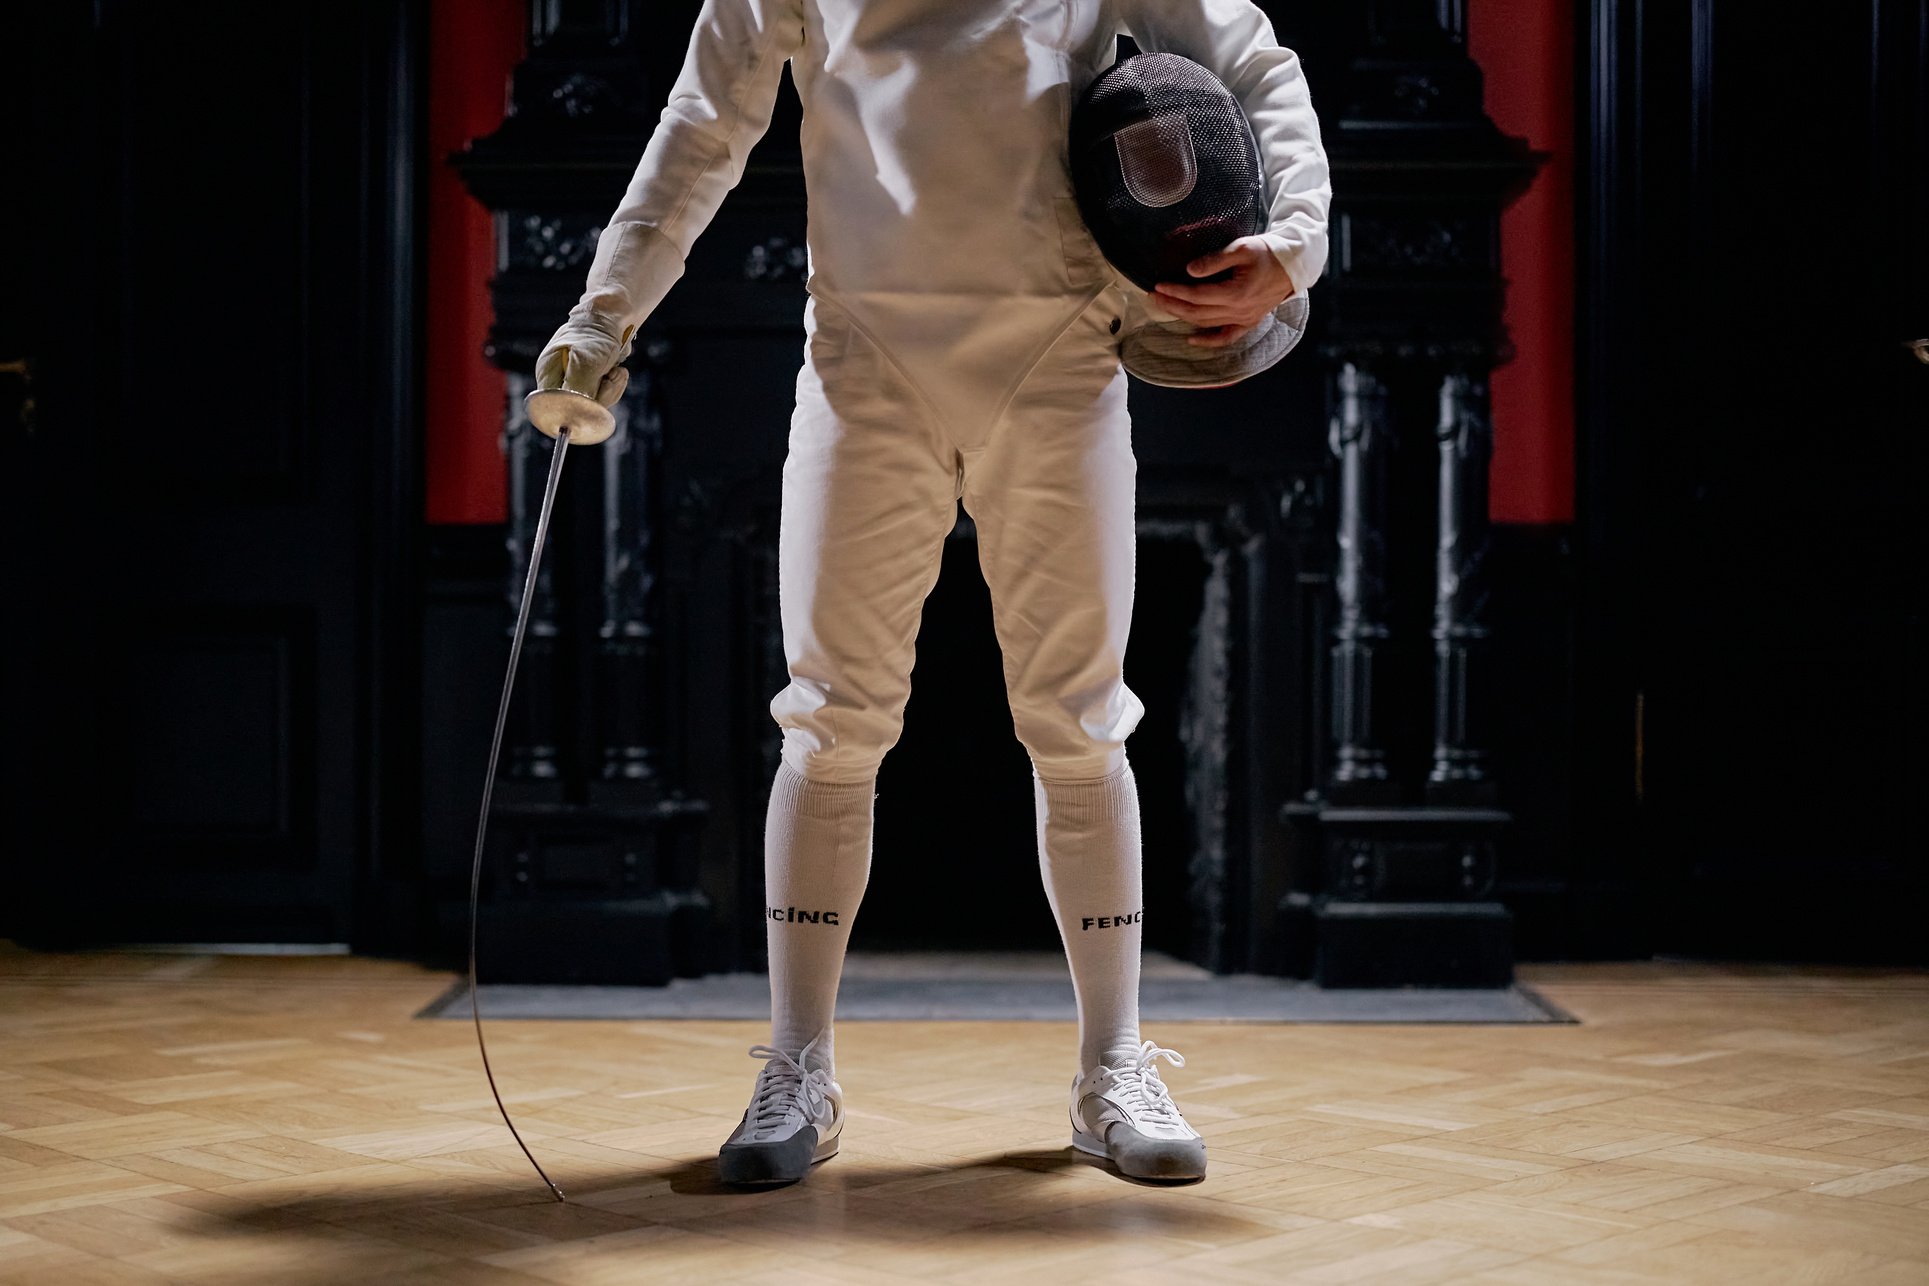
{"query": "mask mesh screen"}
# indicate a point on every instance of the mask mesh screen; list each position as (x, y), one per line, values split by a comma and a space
(1164, 167)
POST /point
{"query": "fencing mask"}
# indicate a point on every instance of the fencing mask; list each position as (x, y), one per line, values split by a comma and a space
(1165, 169)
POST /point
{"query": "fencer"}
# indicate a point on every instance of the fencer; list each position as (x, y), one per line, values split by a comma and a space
(962, 343)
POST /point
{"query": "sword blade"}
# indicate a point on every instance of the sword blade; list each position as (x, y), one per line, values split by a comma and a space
(489, 787)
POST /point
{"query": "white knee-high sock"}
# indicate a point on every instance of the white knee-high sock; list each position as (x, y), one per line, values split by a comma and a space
(817, 861)
(1089, 856)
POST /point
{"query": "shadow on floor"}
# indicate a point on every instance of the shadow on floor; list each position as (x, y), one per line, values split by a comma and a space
(503, 1218)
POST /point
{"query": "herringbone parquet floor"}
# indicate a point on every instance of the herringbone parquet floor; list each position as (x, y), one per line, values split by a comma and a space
(285, 1120)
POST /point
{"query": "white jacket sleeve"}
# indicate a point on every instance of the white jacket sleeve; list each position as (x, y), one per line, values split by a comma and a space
(719, 107)
(1233, 39)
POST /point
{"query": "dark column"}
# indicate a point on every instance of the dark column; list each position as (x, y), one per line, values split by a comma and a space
(1465, 436)
(592, 872)
(529, 756)
(1360, 439)
(625, 639)
(1396, 854)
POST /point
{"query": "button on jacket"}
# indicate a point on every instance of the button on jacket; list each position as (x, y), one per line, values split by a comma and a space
(934, 141)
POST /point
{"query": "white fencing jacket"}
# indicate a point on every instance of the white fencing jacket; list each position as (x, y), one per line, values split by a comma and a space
(935, 143)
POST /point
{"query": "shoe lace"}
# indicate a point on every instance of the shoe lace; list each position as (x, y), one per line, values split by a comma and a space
(1138, 1088)
(784, 1086)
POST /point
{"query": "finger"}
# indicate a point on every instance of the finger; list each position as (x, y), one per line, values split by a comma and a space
(550, 367)
(1238, 306)
(1231, 256)
(1206, 314)
(1219, 338)
(584, 373)
(1178, 307)
(1242, 253)
(613, 385)
(1218, 292)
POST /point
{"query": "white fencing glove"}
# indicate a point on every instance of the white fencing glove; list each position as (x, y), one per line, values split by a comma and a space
(586, 356)
(634, 267)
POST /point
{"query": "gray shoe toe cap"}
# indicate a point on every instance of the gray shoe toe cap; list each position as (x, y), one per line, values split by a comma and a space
(779, 1162)
(1149, 1158)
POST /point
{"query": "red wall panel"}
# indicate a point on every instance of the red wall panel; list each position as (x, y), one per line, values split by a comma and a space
(473, 46)
(1525, 49)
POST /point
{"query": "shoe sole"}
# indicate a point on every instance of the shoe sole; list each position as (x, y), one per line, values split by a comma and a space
(1094, 1146)
(1086, 1143)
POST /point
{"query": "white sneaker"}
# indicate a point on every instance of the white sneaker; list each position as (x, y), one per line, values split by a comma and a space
(793, 1121)
(1126, 1114)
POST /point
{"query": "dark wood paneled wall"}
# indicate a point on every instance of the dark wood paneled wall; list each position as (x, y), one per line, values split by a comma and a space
(1749, 653)
(212, 669)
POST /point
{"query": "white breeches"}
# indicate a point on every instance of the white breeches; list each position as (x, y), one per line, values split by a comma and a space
(870, 490)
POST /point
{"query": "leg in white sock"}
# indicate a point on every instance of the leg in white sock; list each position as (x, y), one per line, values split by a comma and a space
(817, 861)
(1089, 856)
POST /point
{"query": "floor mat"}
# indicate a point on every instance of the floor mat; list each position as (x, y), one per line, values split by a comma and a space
(1010, 987)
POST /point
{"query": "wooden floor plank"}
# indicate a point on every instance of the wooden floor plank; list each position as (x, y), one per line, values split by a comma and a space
(214, 1119)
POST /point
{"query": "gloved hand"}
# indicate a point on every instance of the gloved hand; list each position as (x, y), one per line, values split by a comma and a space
(586, 356)
(634, 267)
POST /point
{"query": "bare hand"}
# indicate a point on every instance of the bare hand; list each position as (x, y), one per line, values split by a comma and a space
(1226, 310)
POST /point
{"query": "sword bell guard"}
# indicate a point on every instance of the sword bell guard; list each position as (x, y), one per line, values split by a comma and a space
(555, 409)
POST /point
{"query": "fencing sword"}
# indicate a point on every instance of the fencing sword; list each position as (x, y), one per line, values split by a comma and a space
(563, 413)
